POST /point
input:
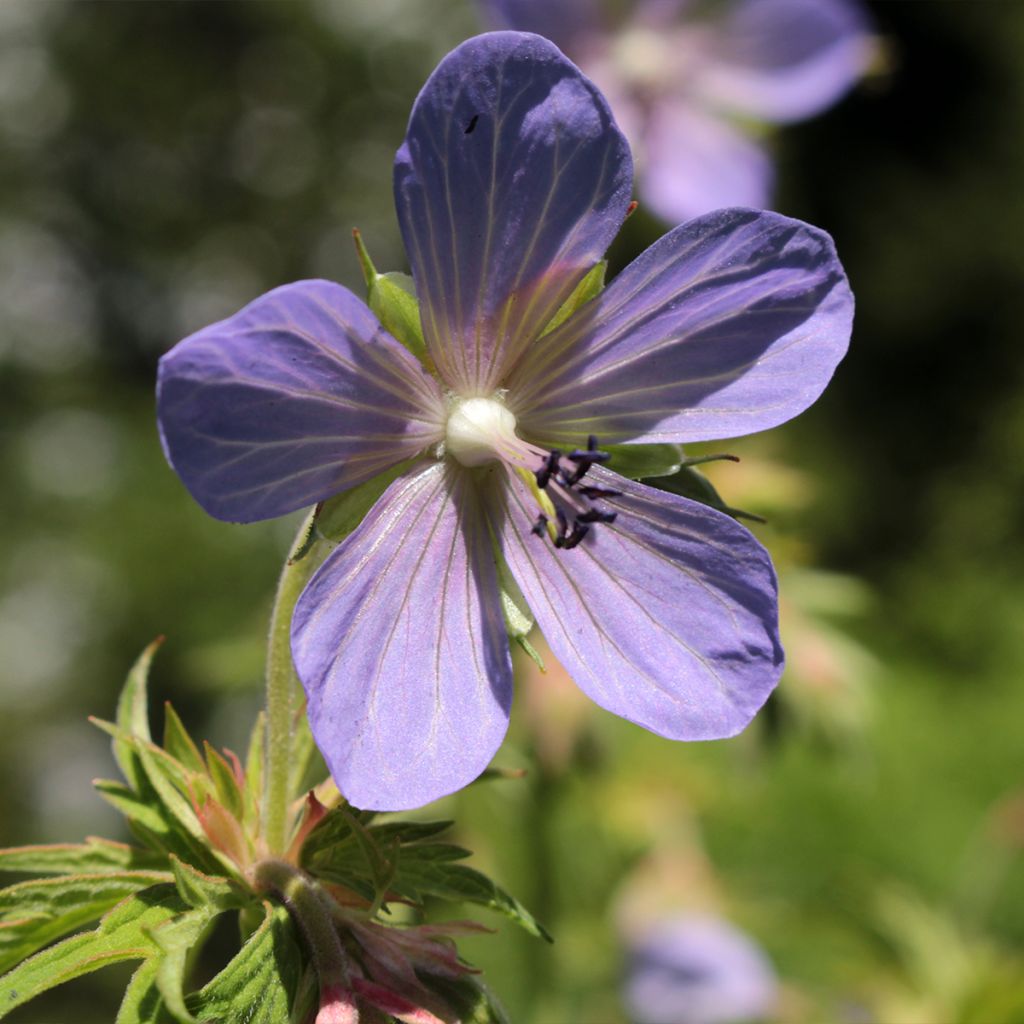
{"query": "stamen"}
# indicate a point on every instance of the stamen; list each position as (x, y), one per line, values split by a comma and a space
(599, 492)
(595, 515)
(540, 526)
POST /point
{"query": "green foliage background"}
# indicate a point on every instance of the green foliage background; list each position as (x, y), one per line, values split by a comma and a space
(161, 163)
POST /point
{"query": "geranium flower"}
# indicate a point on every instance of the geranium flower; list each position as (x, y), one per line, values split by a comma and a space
(693, 84)
(512, 181)
(698, 969)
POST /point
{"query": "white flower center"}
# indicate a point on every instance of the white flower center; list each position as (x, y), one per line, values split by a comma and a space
(477, 428)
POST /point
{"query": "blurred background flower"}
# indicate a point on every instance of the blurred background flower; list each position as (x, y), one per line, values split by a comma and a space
(163, 163)
(696, 85)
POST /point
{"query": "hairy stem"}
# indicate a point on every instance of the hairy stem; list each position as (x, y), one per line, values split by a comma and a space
(283, 686)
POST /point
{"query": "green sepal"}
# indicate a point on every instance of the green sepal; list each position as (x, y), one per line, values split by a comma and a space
(691, 483)
(339, 516)
(591, 286)
(225, 782)
(638, 461)
(93, 856)
(254, 760)
(516, 612)
(199, 890)
(392, 299)
(35, 913)
(122, 934)
(260, 981)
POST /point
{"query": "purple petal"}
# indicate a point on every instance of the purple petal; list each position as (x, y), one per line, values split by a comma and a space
(401, 646)
(727, 325)
(563, 22)
(695, 162)
(698, 969)
(512, 181)
(667, 617)
(300, 395)
(784, 60)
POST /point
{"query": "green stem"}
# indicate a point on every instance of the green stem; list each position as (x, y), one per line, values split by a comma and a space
(283, 687)
(309, 907)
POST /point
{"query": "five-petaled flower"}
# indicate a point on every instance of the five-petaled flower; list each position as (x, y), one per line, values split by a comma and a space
(687, 80)
(663, 610)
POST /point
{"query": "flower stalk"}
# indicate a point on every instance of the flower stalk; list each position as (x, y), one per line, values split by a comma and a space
(283, 687)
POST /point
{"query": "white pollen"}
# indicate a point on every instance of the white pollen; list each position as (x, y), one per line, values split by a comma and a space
(475, 428)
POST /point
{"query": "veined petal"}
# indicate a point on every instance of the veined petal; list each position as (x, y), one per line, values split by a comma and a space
(730, 324)
(400, 644)
(512, 181)
(695, 162)
(784, 60)
(667, 617)
(563, 22)
(300, 395)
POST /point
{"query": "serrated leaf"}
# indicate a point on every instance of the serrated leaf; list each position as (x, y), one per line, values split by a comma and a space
(142, 1002)
(260, 982)
(94, 855)
(640, 461)
(340, 515)
(254, 771)
(201, 890)
(178, 743)
(34, 913)
(225, 782)
(591, 285)
(123, 934)
(133, 713)
(420, 874)
(175, 940)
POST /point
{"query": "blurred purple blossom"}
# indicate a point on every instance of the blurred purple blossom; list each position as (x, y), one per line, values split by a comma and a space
(691, 82)
(512, 181)
(698, 969)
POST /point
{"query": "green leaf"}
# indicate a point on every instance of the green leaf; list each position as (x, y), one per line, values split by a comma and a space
(638, 461)
(142, 1002)
(254, 759)
(691, 483)
(35, 913)
(133, 714)
(176, 939)
(201, 890)
(422, 873)
(94, 855)
(591, 285)
(340, 515)
(259, 984)
(123, 934)
(178, 743)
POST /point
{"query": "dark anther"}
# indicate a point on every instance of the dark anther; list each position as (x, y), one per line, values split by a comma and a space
(577, 534)
(472, 124)
(599, 492)
(540, 526)
(595, 515)
(591, 442)
(550, 466)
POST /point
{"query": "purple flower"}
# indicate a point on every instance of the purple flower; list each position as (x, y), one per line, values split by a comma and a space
(512, 181)
(686, 80)
(697, 969)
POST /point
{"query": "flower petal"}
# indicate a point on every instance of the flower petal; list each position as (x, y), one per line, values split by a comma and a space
(300, 395)
(727, 325)
(695, 162)
(400, 644)
(667, 617)
(512, 181)
(784, 60)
